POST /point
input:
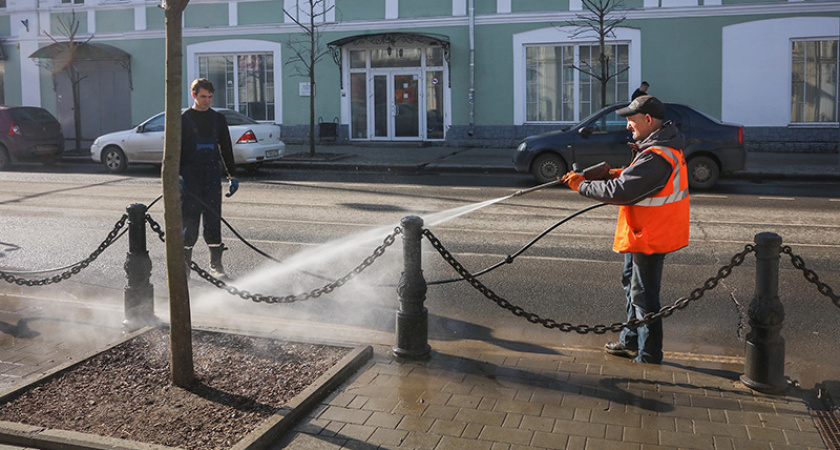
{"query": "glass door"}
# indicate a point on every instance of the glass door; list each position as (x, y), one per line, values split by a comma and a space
(395, 98)
(406, 117)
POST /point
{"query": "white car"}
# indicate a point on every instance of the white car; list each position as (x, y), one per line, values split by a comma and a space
(253, 143)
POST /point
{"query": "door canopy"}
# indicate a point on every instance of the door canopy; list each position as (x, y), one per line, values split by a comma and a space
(390, 39)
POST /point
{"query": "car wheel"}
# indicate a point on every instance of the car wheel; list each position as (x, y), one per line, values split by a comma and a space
(703, 172)
(5, 160)
(114, 159)
(547, 167)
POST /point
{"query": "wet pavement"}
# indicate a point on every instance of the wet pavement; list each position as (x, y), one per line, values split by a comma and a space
(472, 394)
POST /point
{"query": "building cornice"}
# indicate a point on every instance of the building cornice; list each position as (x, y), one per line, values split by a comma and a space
(488, 19)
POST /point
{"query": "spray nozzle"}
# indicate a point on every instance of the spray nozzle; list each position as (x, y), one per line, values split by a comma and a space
(535, 188)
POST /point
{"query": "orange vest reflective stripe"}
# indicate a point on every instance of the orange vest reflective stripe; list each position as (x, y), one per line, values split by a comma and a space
(659, 223)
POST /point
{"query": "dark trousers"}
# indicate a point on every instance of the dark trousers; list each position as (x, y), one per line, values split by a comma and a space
(642, 280)
(202, 201)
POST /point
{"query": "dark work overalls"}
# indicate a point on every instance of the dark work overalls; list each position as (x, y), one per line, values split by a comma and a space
(201, 171)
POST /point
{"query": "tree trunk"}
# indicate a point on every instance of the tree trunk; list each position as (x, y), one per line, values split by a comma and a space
(180, 337)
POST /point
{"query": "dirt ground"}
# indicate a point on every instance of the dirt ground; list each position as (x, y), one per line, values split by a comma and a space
(125, 391)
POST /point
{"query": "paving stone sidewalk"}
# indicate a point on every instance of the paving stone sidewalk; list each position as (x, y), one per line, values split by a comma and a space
(476, 396)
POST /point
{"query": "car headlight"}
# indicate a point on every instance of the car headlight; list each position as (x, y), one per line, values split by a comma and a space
(522, 147)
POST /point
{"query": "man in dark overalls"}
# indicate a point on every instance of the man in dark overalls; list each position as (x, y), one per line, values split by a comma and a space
(205, 151)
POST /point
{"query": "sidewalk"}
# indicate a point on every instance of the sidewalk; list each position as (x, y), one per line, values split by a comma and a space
(476, 395)
(810, 166)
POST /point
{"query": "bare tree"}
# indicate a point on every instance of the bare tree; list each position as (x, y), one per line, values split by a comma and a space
(601, 18)
(180, 335)
(65, 61)
(307, 50)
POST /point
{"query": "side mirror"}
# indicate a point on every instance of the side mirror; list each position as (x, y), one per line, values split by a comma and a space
(141, 128)
(585, 131)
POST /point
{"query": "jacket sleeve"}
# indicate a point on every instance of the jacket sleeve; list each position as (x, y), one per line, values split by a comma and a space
(225, 145)
(646, 176)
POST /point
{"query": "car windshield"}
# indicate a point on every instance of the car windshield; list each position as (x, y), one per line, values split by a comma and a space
(594, 115)
(235, 118)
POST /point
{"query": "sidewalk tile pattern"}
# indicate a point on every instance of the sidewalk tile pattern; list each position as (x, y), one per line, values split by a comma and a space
(495, 399)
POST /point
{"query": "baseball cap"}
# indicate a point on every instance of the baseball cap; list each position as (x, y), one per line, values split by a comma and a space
(644, 104)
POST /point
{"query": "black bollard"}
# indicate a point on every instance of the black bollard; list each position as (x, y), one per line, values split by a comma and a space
(139, 292)
(412, 317)
(764, 364)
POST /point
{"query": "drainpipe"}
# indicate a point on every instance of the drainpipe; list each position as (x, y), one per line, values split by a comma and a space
(471, 12)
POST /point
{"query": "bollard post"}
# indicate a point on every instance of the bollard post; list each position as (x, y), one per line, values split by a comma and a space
(764, 359)
(412, 317)
(138, 292)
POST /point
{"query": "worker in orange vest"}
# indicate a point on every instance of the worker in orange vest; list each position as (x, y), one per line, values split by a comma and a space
(653, 218)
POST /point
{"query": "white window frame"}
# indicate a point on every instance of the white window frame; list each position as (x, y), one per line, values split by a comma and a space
(565, 36)
(234, 47)
(761, 50)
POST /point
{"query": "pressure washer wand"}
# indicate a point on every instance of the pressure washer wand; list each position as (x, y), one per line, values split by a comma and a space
(536, 188)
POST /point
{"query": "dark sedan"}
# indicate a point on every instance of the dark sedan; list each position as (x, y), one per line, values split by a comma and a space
(29, 134)
(712, 147)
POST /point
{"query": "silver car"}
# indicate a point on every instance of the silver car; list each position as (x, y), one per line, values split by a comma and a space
(253, 143)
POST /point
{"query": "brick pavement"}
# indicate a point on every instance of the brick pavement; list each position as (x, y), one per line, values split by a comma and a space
(476, 396)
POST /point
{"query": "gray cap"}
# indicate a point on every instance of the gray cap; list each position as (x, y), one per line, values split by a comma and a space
(644, 104)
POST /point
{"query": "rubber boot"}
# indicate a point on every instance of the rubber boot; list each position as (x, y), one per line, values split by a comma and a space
(217, 270)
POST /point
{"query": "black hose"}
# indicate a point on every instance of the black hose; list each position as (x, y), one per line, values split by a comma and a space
(245, 241)
(509, 259)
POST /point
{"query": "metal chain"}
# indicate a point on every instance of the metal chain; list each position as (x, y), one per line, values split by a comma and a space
(112, 236)
(156, 228)
(315, 293)
(271, 299)
(811, 276)
(667, 311)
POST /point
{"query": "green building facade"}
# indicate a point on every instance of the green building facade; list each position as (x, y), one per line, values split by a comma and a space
(460, 72)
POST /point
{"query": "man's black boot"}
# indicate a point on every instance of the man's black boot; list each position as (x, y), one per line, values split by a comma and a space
(217, 270)
(619, 349)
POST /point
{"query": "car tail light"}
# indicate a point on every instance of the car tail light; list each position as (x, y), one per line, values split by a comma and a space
(247, 137)
(740, 135)
(14, 129)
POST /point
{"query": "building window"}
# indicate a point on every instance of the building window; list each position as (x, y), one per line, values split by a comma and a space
(300, 10)
(243, 82)
(72, 2)
(814, 85)
(559, 85)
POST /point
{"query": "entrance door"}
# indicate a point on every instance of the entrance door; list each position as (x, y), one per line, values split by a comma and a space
(395, 106)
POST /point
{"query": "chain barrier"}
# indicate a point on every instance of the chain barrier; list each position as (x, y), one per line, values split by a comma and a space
(271, 299)
(76, 268)
(534, 318)
(810, 275)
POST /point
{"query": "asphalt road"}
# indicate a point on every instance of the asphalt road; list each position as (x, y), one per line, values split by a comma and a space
(323, 224)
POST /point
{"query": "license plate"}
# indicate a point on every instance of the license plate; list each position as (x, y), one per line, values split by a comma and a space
(272, 154)
(48, 149)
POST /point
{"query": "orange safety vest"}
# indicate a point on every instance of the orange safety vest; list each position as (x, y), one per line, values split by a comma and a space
(659, 223)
